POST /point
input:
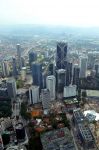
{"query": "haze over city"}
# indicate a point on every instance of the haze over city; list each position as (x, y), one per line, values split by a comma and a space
(51, 12)
(49, 74)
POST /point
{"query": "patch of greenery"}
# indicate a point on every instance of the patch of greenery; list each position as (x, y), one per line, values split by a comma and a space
(19, 84)
(24, 113)
(5, 109)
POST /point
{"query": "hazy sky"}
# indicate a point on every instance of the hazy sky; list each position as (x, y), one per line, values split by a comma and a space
(61, 12)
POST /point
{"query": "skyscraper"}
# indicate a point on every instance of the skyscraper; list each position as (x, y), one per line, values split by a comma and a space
(51, 69)
(19, 56)
(83, 67)
(60, 80)
(37, 74)
(96, 67)
(50, 85)
(5, 68)
(34, 94)
(32, 58)
(14, 67)
(45, 98)
(61, 54)
(76, 71)
(11, 87)
(68, 73)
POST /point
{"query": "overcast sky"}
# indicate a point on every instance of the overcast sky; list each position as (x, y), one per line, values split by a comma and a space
(57, 12)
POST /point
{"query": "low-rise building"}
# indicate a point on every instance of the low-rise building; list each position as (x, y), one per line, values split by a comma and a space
(59, 139)
(86, 136)
(78, 116)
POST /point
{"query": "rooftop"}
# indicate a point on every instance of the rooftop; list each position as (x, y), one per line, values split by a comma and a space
(57, 139)
(85, 132)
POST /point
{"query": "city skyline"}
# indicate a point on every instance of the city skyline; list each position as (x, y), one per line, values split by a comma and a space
(64, 12)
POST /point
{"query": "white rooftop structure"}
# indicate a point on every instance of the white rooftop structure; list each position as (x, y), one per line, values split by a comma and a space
(91, 114)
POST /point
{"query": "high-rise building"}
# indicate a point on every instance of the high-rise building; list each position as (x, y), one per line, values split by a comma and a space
(23, 73)
(14, 67)
(34, 94)
(19, 56)
(45, 98)
(37, 74)
(68, 73)
(20, 132)
(11, 87)
(32, 58)
(51, 69)
(23, 61)
(91, 60)
(61, 55)
(76, 71)
(60, 80)
(44, 75)
(96, 67)
(50, 85)
(83, 67)
(5, 68)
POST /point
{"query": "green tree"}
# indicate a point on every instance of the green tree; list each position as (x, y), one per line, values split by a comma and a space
(26, 115)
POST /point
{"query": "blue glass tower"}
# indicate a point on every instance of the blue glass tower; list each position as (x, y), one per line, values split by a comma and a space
(32, 58)
(37, 74)
(61, 55)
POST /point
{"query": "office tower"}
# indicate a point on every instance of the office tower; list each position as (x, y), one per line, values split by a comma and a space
(50, 85)
(60, 80)
(61, 54)
(23, 73)
(68, 73)
(76, 71)
(5, 68)
(44, 75)
(96, 68)
(91, 60)
(32, 58)
(14, 67)
(37, 74)
(45, 98)
(51, 69)
(33, 94)
(83, 67)
(11, 87)
(20, 132)
(23, 61)
(19, 56)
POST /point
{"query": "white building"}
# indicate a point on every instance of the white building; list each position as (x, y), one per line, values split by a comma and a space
(45, 98)
(23, 73)
(11, 88)
(83, 67)
(5, 68)
(34, 94)
(50, 85)
(70, 91)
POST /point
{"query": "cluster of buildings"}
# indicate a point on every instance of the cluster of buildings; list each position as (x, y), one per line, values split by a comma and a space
(52, 81)
(12, 132)
(8, 89)
(58, 80)
(83, 130)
